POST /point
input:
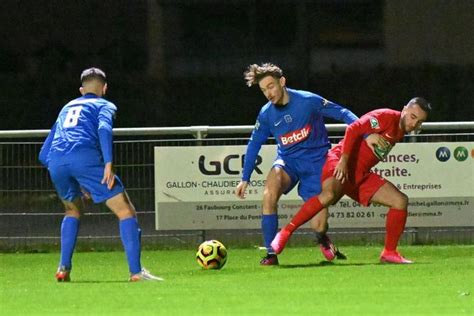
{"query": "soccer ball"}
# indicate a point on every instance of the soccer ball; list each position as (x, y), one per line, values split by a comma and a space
(211, 254)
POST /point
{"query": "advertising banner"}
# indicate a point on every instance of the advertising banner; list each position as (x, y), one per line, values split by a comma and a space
(194, 188)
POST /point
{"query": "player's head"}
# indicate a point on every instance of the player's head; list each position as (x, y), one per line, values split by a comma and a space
(414, 114)
(93, 80)
(270, 79)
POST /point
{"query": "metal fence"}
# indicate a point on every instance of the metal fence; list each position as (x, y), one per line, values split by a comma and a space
(31, 213)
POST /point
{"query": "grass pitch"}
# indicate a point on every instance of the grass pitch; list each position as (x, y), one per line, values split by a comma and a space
(439, 283)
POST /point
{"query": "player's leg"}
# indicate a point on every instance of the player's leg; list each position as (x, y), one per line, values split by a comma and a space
(309, 186)
(397, 202)
(69, 231)
(277, 182)
(69, 191)
(129, 230)
(332, 191)
(319, 224)
(116, 199)
(130, 234)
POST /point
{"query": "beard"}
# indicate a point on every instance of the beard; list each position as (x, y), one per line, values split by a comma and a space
(404, 126)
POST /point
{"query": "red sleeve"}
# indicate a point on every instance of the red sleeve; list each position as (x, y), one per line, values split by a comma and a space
(368, 124)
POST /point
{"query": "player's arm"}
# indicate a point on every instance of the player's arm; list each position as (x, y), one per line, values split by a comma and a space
(106, 117)
(341, 170)
(43, 155)
(371, 123)
(376, 140)
(335, 111)
(260, 134)
(354, 133)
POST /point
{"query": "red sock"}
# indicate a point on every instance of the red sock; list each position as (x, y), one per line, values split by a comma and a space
(310, 208)
(394, 226)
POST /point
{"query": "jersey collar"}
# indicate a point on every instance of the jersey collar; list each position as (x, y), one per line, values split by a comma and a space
(90, 95)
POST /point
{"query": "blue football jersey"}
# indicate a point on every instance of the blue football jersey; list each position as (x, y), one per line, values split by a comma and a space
(83, 125)
(298, 128)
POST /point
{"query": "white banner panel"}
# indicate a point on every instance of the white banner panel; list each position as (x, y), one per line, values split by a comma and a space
(194, 188)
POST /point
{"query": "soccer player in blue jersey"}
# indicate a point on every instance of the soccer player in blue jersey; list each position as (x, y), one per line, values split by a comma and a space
(78, 155)
(295, 119)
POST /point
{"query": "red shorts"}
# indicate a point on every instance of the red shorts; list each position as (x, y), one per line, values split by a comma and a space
(361, 186)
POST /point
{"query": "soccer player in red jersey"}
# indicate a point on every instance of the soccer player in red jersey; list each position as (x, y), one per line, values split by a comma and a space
(347, 171)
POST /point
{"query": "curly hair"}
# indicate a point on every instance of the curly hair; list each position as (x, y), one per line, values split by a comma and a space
(255, 73)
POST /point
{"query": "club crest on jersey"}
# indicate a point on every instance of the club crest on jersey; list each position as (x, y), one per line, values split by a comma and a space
(374, 123)
(295, 137)
(288, 118)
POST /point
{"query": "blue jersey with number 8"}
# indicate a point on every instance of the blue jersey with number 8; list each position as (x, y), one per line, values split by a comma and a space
(83, 125)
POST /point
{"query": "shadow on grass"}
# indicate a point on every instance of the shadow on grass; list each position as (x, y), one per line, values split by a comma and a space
(307, 265)
(98, 282)
(332, 264)
(325, 264)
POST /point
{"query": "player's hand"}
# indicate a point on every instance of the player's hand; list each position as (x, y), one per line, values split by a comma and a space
(341, 170)
(376, 140)
(109, 176)
(86, 196)
(240, 189)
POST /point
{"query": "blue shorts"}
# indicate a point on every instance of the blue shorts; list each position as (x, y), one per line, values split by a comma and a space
(69, 176)
(307, 174)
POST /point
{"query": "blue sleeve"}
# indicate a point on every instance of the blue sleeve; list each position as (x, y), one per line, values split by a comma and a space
(259, 136)
(44, 152)
(106, 117)
(335, 111)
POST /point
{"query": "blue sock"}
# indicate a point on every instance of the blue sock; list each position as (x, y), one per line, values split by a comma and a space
(130, 235)
(69, 230)
(269, 229)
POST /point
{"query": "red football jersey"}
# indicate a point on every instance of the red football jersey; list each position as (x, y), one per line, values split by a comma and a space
(385, 122)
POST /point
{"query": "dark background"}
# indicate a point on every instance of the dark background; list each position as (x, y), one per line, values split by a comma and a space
(178, 62)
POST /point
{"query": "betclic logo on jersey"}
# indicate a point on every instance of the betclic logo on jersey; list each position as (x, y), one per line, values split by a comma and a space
(295, 137)
(231, 164)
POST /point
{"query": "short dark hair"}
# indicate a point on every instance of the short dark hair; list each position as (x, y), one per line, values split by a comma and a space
(422, 103)
(255, 73)
(93, 74)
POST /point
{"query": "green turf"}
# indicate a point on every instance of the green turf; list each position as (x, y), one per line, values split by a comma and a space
(440, 283)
